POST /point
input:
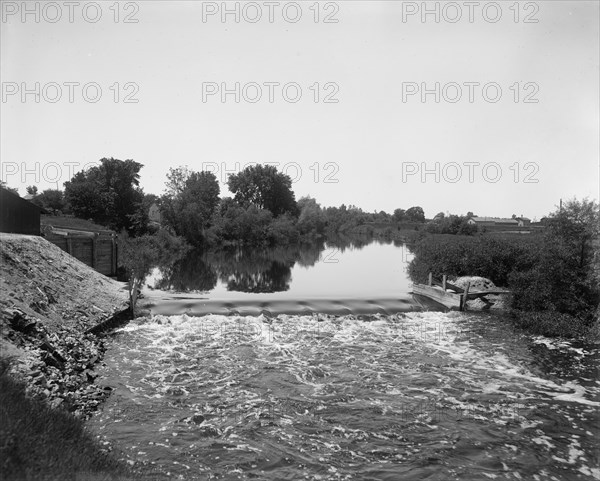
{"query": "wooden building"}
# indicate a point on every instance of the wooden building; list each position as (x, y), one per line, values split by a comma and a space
(98, 249)
(17, 215)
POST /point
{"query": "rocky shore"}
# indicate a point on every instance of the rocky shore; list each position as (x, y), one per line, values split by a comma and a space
(50, 303)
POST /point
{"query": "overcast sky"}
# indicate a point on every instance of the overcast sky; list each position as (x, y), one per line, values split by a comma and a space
(523, 134)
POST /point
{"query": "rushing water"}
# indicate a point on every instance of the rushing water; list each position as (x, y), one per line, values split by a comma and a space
(414, 395)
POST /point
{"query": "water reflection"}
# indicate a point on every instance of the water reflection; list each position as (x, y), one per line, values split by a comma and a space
(252, 270)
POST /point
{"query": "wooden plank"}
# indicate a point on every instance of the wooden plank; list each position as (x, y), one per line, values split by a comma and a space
(494, 292)
(456, 289)
(444, 279)
(115, 253)
(447, 299)
(465, 297)
(430, 279)
(95, 251)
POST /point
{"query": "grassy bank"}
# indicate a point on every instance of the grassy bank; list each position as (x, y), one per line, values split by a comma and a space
(40, 443)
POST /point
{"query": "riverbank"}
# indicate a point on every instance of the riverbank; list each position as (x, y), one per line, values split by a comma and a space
(50, 302)
(49, 307)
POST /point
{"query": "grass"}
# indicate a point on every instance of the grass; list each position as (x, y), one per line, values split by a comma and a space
(40, 443)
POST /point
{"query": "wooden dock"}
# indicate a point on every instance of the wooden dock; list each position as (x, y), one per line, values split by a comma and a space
(449, 295)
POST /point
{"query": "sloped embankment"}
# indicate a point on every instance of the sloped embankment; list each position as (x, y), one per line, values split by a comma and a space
(48, 303)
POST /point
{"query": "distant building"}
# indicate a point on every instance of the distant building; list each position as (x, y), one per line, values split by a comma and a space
(524, 221)
(493, 221)
(17, 215)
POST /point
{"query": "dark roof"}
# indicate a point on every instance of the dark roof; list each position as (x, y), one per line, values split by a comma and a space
(21, 201)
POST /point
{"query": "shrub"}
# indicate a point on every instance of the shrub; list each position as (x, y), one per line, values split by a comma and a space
(550, 323)
(282, 230)
(473, 256)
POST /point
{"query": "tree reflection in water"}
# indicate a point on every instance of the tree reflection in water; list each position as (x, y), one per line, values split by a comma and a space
(253, 270)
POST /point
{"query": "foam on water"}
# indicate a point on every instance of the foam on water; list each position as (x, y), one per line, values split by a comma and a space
(343, 397)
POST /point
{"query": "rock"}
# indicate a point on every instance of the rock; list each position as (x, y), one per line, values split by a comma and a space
(475, 282)
(19, 321)
(46, 346)
(197, 418)
(50, 360)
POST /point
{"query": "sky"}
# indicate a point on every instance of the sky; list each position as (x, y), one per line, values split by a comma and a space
(490, 107)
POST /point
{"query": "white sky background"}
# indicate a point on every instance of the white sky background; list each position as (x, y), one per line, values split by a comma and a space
(370, 135)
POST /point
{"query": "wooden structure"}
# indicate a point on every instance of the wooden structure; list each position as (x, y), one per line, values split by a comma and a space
(97, 249)
(449, 295)
(17, 215)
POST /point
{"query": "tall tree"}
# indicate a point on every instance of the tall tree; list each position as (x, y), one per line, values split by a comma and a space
(189, 203)
(415, 214)
(265, 188)
(577, 224)
(109, 193)
(311, 220)
(399, 215)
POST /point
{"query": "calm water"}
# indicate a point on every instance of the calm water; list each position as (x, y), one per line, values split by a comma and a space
(340, 277)
(411, 395)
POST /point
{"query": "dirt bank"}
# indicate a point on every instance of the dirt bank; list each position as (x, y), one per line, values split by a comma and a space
(48, 301)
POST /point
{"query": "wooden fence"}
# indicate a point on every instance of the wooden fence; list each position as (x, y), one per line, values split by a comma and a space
(97, 249)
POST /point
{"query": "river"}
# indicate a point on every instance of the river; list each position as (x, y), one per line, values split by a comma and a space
(388, 392)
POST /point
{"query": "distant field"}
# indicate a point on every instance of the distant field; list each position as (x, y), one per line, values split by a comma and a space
(70, 222)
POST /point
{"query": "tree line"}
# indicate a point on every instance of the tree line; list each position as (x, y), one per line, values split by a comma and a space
(262, 210)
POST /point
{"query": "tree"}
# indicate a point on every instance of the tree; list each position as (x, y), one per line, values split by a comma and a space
(5, 186)
(31, 189)
(140, 219)
(265, 188)
(52, 200)
(399, 215)
(190, 203)
(566, 277)
(311, 220)
(415, 214)
(109, 194)
(577, 224)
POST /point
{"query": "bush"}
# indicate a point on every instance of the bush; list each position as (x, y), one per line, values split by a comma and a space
(282, 230)
(550, 323)
(139, 255)
(471, 256)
